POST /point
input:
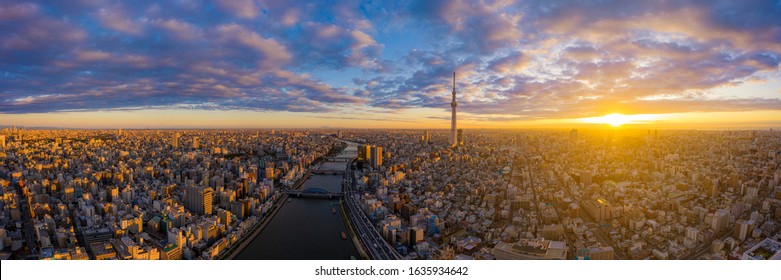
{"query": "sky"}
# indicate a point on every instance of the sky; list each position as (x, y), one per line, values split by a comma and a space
(389, 64)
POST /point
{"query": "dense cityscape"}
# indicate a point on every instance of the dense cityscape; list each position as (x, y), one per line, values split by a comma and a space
(398, 139)
(495, 194)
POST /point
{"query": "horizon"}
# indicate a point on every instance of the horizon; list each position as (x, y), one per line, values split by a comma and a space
(593, 127)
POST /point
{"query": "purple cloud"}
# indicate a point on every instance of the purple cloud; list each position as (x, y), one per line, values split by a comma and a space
(540, 59)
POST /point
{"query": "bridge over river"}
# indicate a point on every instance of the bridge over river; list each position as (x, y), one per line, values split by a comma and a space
(313, 193)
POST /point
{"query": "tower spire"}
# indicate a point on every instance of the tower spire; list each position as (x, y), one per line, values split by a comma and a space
(453, 105)
(454, 86)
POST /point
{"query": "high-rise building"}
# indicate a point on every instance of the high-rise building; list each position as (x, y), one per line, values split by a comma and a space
(198, 199)
(196, 145)
(720, 220)
(598, 209)
(364, 152)
(573, 135)
(2, 141)
(416, 235)
(692, 233)
(460, 137)
(376, 156)
(175, 142)
(743, 228)
(453, 105)
(713, 188)
(224, 216)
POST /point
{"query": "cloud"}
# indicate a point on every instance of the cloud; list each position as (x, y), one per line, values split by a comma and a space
(614, 52)
(28, 36)
(246, 9)
(92, 55)
(273, 53)
(113, 17)
(181, 30)
(514, 59)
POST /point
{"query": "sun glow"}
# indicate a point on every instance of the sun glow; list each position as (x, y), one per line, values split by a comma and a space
(616, 119)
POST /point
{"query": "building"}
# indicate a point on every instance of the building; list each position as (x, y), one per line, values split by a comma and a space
(573, 135)
(460, 137)
(2, 141)
(238, 209)
(198, 199)
(376, 157)
(171, 252)
(364, 152)
(598, 209)
(742, 229)
(175, 142)
(712, 186)
(552, 231)
(720, 220)
(453, 105)
(528, 249)
(768, 249)
(224, 216)
(196, 145)
(692, 233)
(416, 235)
(596, 253)
(102, 251)
(95, 235)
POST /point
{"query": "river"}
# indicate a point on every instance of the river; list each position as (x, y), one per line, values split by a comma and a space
(306, 228)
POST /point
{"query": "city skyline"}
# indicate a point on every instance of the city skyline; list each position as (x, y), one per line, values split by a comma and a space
(390, 194)
(357, 64)
(423, 131)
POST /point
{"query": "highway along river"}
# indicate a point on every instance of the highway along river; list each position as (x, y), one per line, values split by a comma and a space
(307, 228)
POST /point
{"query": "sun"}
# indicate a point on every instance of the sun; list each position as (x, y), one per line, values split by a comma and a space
(617, 120)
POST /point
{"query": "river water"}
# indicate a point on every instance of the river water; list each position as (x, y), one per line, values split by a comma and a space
(306, 228)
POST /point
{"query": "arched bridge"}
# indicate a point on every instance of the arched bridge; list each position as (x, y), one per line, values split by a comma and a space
(328, 172)
(314, 192)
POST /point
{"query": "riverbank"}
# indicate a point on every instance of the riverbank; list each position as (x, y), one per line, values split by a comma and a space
(257, 229)
(353, 234)
(249, 240)
(345, 215)
(278, 204)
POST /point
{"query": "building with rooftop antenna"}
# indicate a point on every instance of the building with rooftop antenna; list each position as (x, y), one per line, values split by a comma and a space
(453, 104)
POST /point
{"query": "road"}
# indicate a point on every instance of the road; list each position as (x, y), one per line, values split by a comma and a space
(28, 230)
(607, 240)
(375, 245)
(602, 237)
(703, 248)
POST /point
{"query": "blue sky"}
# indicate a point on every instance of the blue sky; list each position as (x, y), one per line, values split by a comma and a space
(516, 60)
